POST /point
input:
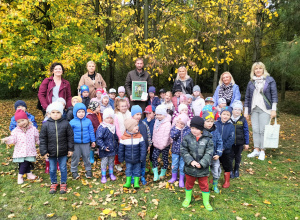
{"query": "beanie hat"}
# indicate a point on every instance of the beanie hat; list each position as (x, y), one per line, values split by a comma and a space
(182, 117)
(20, 115)
(20, 103)
(112, 90)
(56, 106)
(197, 122)
(207, 108)
(78, 98)
(93, 105)
(226, 108)
(183, 98)
(61, 100)
(162, 91)
(209, 99)
(221, 101)
(161, 110)
(151, 89)
(104, 95)
(196, 88)
(121, 89)
(178, 89)
(188, 96)
(149, 109)
(136, 109)
(108, 112)
(100, 90)
(130, 123)
(181, 107)
(84, 88)
(207, 115)
(237, 105)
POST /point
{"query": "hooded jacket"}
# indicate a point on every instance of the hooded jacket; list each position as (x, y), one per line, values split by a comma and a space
(161, 135)
(106, 139)
(226, 131)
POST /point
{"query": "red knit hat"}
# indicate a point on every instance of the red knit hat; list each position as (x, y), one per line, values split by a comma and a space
(20, 114)
(100, 90)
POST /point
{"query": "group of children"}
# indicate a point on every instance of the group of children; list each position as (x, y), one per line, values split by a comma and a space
(105, 125)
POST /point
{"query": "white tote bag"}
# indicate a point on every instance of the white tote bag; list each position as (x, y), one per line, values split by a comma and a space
(271, 137)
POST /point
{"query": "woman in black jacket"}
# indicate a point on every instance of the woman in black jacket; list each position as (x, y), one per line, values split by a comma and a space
(183, 81)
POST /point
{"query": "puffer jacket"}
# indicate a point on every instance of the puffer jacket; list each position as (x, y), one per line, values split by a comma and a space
(161, 134)
(86, 101)
(235, 96)
(217, 139)
(132, 148)
(106, 139)
(188, 89)
(241, 131)
(70, 113)
(83, 128)
(150, 125)
(177, 136)
(56, 138)
(13, 123)
(145, 132)
(226, 131)
(135, 76)
(155, 101)
(200, 151)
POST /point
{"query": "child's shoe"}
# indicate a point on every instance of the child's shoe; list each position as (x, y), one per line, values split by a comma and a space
(63, 188)
(215, 186)
(103, 178)
(227, 180)
(188, 198)
(57, 166)
(262, 155)
(47, 167)
(255, 153)
(75, 176)
(181, 181)
(88, 174)
(111, 173)
(231, 175)
(118, 167)
(92, 158)
(205, 196)
(53, 188)
(236, 174)
(155, 172)
(31, 176)
(174, 178)
(162, 173)
(136, 182)
(128, 182)
(20, 179)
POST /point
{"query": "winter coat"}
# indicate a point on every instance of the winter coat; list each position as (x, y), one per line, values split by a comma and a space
(218, 142)
(94, 119)
(150, 125)
(99, 83)
(235, 96)
(46, 92)
(145, 132)
(161, 135)
(24, 141)
(226, 131)
(83, 128)
(132, 148)
(106, 139)
(241, 131)
(190, 113)
(177, 136)
(70, 113)
(112, 103)
(133, 75)
(200, 151)
(86, 101)
(155, 101)
(188, 89)
(13, 123)
(270, 92)
(56, 138)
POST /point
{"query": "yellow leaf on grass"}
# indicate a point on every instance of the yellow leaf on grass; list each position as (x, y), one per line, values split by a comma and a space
(29, 208)
(63, 198)
(267, 202)
(128, 208)
(76, 194)
(11, 216)
(50, 215)
(106, 211)
(111, 192)
(74, 217)
(167, 185)
(270, 162)
(155, 201)
(84, 182)
(113, 214)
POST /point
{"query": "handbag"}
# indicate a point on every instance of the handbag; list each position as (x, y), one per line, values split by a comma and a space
(271, 136)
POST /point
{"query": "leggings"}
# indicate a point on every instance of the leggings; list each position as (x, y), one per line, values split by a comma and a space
(165, 154)
(109, 161)
(24, 167)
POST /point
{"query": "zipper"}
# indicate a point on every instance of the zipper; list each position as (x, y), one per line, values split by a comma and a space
(81, 131)
(56, 138)
(235, 134)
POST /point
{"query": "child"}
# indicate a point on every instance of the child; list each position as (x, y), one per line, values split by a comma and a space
(161, 140)
(25, 136)
(190, 102)
(168, 103)
(85, 95)
(197, 93)
(221, 103)
(63, 102)
(57, 144)
(75, 99)
(104, 103)
(83, 136)
(107, 140)
(112, 96)
(121, 92)
(198, 101)
(206, 108)
(182, 108)
(162, 94)
(226, 129)
(93, 113)
(153, 100)
(183, 102)
(178, 132)
(99, 93)
(215, 167)
(121, 114)
(20, 104)
(132, 149)
(197, 150)
(176, 98)
(241, 136)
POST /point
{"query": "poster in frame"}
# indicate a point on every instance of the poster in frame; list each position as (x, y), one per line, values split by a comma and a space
(138, 88)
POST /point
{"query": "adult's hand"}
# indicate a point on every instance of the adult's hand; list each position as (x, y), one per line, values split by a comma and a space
(273, 114)
(130, 98)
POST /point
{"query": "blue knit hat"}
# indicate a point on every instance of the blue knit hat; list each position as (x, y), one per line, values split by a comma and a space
(211, 99)
(84, 88)
(226, 108)
(151, 89)
(196, 88)
(207, 108)
(20, 103)
(136, 109)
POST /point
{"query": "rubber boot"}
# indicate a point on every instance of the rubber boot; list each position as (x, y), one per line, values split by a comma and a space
(227, 180)
(136, 182)
(215, 186)
(143, 179)
(205, 196)
(103, 174)
(111, 173)
(57, 165)
(162, 173)
(155, 172)
(181, 181)
(174, 178)
(188, 198)
(47, 167)
(20, 179)
(128, 182)
(31, 176)
(232, 175)
(92, 158)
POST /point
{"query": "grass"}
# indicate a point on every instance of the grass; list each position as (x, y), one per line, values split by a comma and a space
(266, 189)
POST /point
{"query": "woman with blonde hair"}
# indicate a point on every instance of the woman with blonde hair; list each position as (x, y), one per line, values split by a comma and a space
(183, 81)
(260, 102)
(91, 79)
(227, 89)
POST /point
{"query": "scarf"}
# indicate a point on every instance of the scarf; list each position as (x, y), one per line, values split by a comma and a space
(111, 127)
(226, 92)
(259, 83)
(158, 123)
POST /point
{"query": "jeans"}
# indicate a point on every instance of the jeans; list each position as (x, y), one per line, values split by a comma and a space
(177, 162)
(259, 119)
(133, 169)
(215, 169)
(62, 161)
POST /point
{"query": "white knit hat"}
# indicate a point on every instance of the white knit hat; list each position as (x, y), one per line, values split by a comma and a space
(161, 110)
(181, 107)
(237, 105)
(108, 112)
(56, 106)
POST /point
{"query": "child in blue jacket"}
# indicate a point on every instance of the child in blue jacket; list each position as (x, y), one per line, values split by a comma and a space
(226, 129)
(83, 136)
(153, 100)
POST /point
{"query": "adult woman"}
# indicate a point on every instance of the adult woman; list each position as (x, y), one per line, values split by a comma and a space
(183, 81)
(260, 101)
(227, 89)
(55, 87)
(91, 79)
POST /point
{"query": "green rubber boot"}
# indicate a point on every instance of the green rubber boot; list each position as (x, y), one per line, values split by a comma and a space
(188, 198)
(215, 186)
(136, 182)
(128, 182)
(162, 173)
(205, 196)
(155, 172)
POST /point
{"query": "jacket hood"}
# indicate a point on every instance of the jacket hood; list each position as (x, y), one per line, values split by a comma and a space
(126, 135)
(77, 107)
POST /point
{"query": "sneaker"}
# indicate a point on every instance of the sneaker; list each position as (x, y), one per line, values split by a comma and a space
(63, 188)
(20, 179)
(255, 153)
(88, 174)
(118, 167)
(53, 188)
(262, 155)
(75, 175)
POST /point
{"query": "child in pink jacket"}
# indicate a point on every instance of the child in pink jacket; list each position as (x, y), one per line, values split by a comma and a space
(161, 140)
(25, 136)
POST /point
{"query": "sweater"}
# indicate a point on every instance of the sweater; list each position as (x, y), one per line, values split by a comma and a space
(13, 123)
(161, 134)
(235, 96)
(106, 139)
(226, 131)
(177, 135)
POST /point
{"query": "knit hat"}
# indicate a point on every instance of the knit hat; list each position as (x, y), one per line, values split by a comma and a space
(183, 118)
(226, 108)
(178, 89)
(108, 112)
(84, 88)
(20, 115)
(61, 100)
(196, 88)
(93, 105)
(181, 107)
(121, 89)
(151, 89)
(237, 105)
(78, 98)
(56, 106)
(188, 96)
(182, 98)
(197, 122)
(221, 101)
(149, 109)
(100, 90)
(130, 123)
(136, 109)
(162, 91)
(112, 90)
(207, 108)
(20, 103)
(161, 110)
(104, 95)
(210, 99)
(207, 115)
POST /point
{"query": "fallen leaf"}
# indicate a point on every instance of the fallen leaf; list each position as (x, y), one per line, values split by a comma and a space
(142, 214)
(63, 198)
(113, 214)
(93, 203)
(50, 215)
(155, 201)
(267, 202)
(106, 211)
(155, 217)
(257, 214)
(74, 217)
(238, 218)
(11, 216)
(76, 194)
(24, 185)
(29, 208)
(128, 208)
(270, 162)
(46, 203)
(111, 192)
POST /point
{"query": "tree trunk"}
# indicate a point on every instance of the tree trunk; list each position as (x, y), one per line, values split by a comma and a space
(217, 53)
(258, 37)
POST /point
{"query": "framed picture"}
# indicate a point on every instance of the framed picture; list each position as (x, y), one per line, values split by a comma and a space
(138, 88)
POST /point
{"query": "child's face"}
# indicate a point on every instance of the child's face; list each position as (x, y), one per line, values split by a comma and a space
(151, 94)
(236, 112)
(109, 120)
(123, 107)
(137, 116)
(180, 124)
(184, 102)
(189, 101)
(150, 115)
(85, 94)
(225, 116)
(184, 111)
(22, 123)
(80, 114)
(221, 105)
(55, 115)
(112, 95)
(105, 101)
(209, 103)
(135, 129)
(99, 94)
(162, 95)
(74, 101)
(196, 132)
(22, 108)
(167, 97)
(209, 123)
(121, 94)
(160, 117)
(196, 93)
(97, 110)
(177, 94)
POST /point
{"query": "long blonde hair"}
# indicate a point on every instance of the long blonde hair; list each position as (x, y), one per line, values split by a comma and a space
(186, 75)
(221, 78)
(118, 103)
(260, 64)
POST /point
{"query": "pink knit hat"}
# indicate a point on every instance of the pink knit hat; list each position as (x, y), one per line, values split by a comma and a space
(182, 117)
(20, 114)
(183, 98)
